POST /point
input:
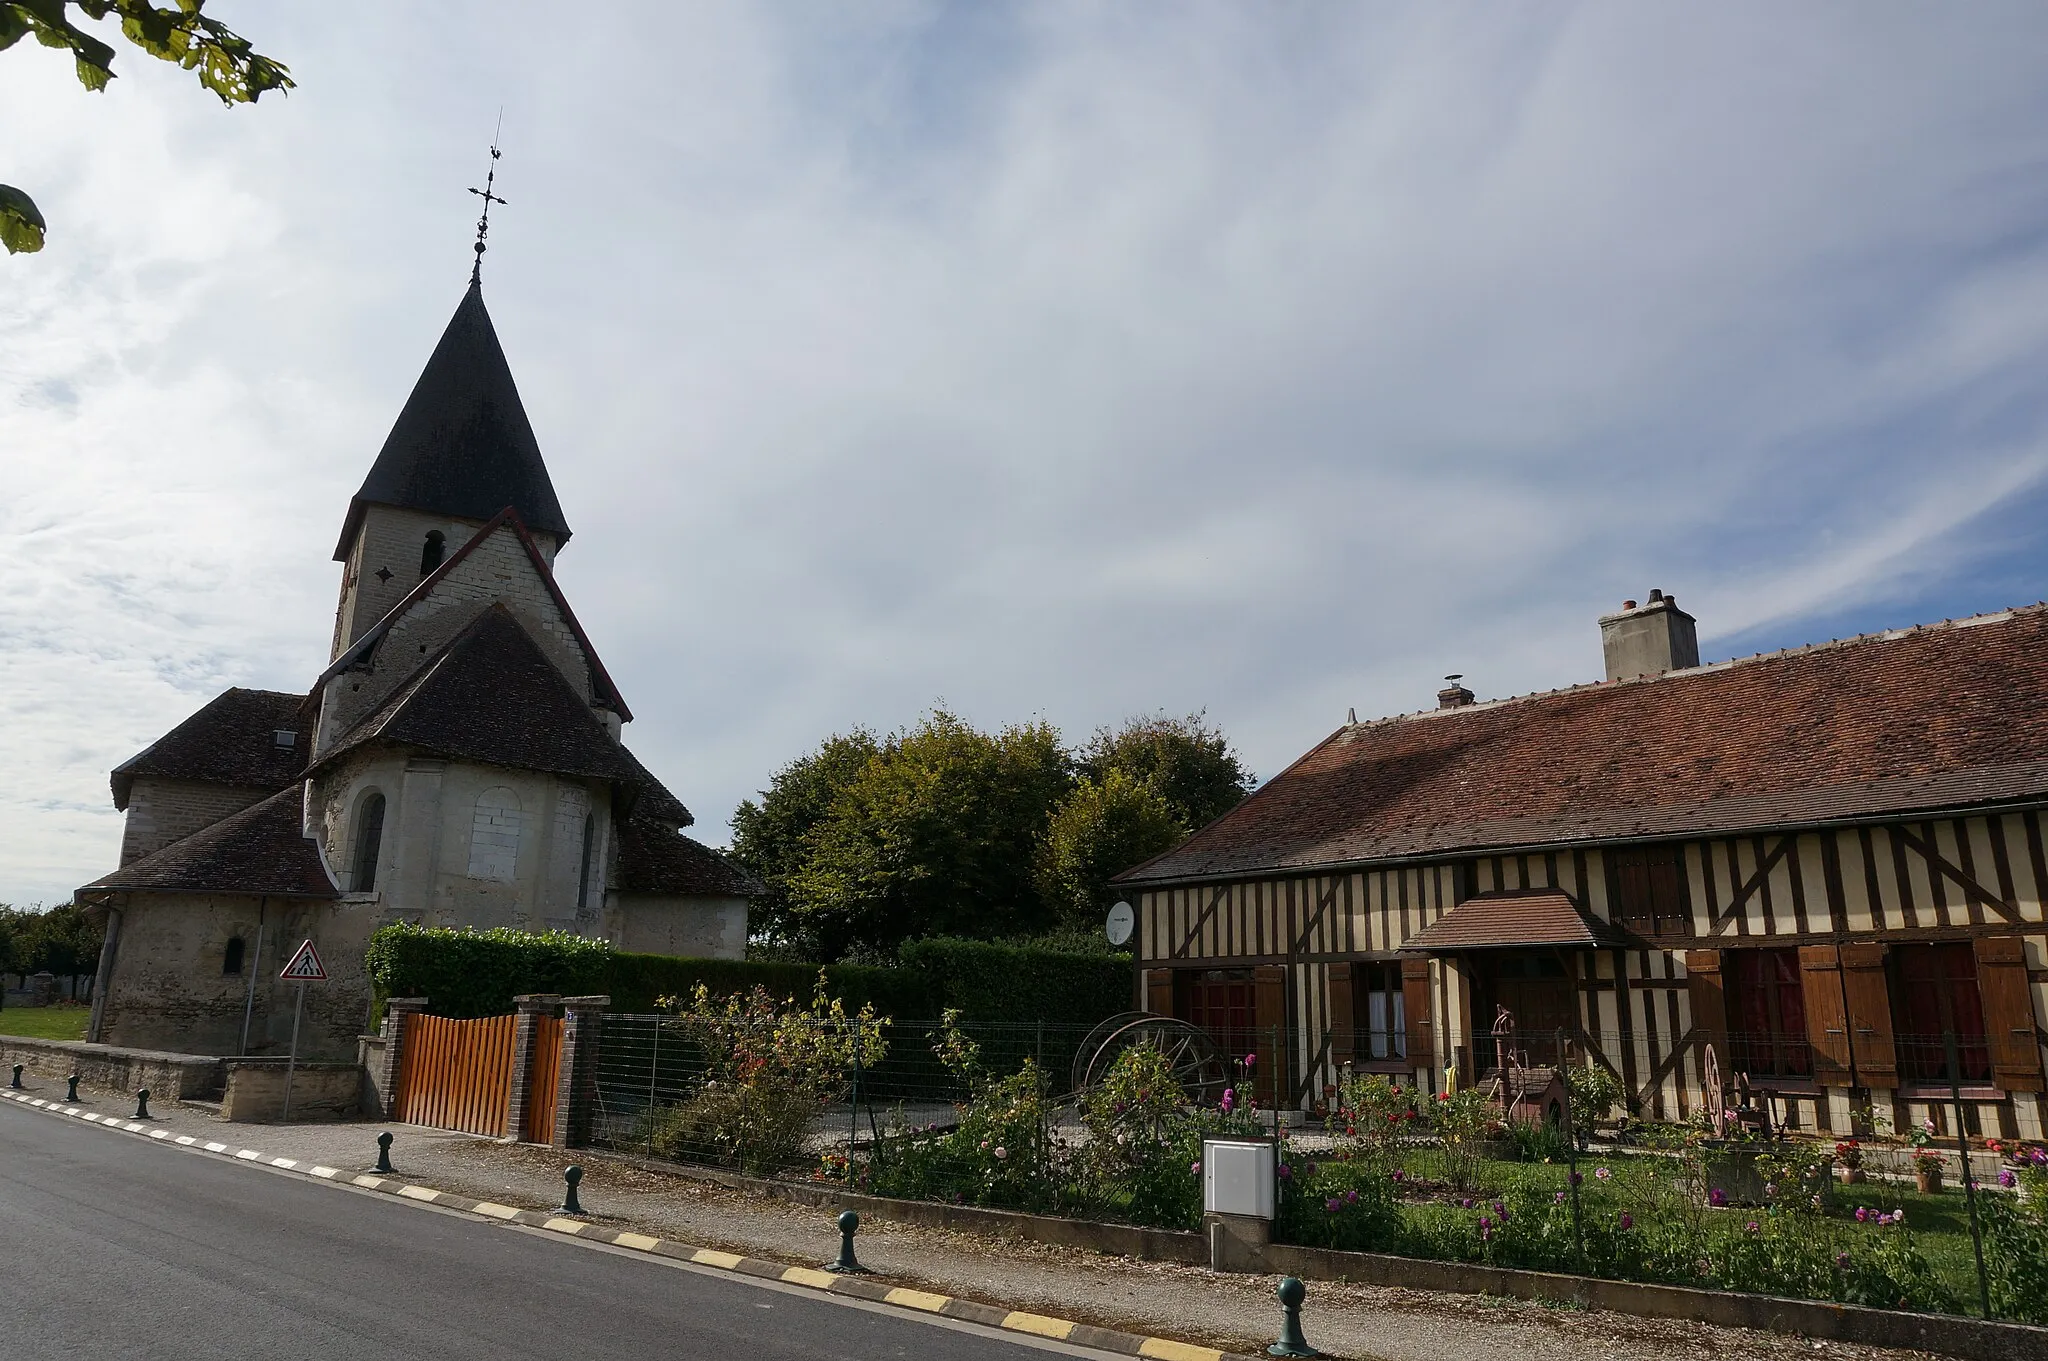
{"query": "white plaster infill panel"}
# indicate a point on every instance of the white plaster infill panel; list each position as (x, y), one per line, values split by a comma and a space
(494, 835)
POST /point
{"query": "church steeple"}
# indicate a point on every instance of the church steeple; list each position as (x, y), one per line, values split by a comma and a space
(462, 446)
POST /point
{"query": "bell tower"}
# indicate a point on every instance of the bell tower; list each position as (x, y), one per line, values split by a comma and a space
(461, 451)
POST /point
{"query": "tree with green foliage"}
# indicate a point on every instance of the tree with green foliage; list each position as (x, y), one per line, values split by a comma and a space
(1108, 824)
(944, 830)
(773, 837)
(226, 62)
(59, 941)
(937, 835)
(1187, 762)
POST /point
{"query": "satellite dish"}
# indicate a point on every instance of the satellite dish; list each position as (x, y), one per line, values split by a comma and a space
(1121, 920)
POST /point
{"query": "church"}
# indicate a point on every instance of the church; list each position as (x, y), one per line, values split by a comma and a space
(458, 763)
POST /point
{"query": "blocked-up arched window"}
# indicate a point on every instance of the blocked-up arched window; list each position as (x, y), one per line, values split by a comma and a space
(369, 843)
(494, 835)
(431, 550)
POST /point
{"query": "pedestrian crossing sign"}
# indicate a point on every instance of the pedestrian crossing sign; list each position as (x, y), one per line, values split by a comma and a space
(305, 966)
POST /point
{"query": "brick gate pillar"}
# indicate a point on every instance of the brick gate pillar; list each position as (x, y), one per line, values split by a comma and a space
(387, 1061)
(531, 1008)
(576, 1088)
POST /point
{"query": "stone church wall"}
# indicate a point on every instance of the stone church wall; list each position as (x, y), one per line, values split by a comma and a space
(698, 928)
(496, 571)
(392, 539)
(169, 989)
(473, 845)
(162, 811)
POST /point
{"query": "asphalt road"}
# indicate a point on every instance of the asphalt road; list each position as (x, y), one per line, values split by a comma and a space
(113, 1246)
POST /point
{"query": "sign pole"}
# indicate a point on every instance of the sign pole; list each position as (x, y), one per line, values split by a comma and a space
(292, 1063)
(305, 967)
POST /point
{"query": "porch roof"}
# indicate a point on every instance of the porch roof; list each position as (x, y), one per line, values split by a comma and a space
(1494, 921)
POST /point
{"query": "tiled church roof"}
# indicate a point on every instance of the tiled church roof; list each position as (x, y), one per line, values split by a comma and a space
(655, 858)
(233, 740)
(1936, 717)
(492, 695)
(258, 850)
(462, 445)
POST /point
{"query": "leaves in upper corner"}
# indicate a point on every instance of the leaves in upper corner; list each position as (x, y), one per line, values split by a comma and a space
(21, 224)
(227, 63)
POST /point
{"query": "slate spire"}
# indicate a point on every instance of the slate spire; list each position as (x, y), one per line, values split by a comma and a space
(462, 445)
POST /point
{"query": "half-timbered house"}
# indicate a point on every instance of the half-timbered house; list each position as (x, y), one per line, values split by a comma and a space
(1819, 864)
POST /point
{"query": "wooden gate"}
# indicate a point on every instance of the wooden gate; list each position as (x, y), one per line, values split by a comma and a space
(547, 1072)
(458, 1074)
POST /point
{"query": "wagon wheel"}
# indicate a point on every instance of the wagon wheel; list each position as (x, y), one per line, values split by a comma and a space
(1077, 1079)
(1197, 1064)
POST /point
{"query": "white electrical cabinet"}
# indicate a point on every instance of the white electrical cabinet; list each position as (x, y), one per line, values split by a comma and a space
(1237, 1177)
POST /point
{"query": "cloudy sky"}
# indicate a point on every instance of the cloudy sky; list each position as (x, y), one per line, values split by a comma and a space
(1036, 359)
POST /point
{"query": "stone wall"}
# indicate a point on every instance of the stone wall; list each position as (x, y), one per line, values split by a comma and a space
(320, 1091)
(167, 989)
(697, 928)
(168, 1076)
(391, 539)
(161, 811)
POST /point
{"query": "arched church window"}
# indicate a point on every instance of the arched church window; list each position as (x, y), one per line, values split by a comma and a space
(583, 868)
(494, 835)
(369, 843)
(430, 552)
(231, 962)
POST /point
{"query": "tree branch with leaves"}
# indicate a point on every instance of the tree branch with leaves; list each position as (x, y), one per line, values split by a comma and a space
(227, 63)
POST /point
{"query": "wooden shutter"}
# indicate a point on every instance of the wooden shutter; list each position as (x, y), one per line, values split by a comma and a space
(2009, 1013)
(1269, 1012)
(1343, 1016)
(1159, 991)
(1870, 1014)
(1827, 1023)
(1709, 1002)
(1415, 1002)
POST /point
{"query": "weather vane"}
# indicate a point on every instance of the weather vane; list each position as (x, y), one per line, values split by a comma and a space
(483, 224)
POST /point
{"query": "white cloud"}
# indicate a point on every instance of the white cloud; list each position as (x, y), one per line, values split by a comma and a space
(1053, 359)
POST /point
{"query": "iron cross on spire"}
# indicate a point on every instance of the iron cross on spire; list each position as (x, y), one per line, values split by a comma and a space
(483, 224)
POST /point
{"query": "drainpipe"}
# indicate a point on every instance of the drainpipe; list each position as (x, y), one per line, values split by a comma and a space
(255, 967)
(103, 977)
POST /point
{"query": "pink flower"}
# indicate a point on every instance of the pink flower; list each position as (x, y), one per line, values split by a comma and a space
(1559, 1197)
(1862, 1214)
(2006, 1178)
(1002, 1153)
(1351, 1197)
(1286, 1172)
(1196, 1167)
(1717, 1197)
(1628, 1221)
(1331, 1204)
(1251, 1060)
(1602, 1173)
(1751, 1226)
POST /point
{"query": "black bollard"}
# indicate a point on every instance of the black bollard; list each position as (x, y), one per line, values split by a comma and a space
(142, 1104)
(847, 1264)
(384, 1152)
(17, 1075)
(71, 1092)
(570, 1176)
(1291, 1343)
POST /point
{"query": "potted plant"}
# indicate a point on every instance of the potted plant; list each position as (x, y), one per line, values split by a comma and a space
(1850, 1156)
(1927, 1164)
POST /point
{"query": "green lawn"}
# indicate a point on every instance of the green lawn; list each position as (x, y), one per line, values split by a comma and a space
(45, 1023)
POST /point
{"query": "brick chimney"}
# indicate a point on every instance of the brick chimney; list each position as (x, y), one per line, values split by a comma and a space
(1649, 639)
(1454, 695)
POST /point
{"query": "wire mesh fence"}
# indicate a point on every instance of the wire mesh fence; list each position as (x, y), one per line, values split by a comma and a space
(1107, 1121)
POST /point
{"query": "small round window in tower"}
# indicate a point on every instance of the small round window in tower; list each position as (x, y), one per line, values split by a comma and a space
(430, 551)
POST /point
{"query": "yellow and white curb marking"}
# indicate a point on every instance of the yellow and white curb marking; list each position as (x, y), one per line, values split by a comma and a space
(858, 1287)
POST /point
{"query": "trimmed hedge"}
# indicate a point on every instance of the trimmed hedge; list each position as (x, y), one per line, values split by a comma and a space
(478, 973)
(991, 981)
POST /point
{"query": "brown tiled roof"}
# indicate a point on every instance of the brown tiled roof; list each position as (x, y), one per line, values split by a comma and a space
(655, 858)
(492, 695)
(1915, 720)
(1512, 919)
(258, 850)
(233, 740)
